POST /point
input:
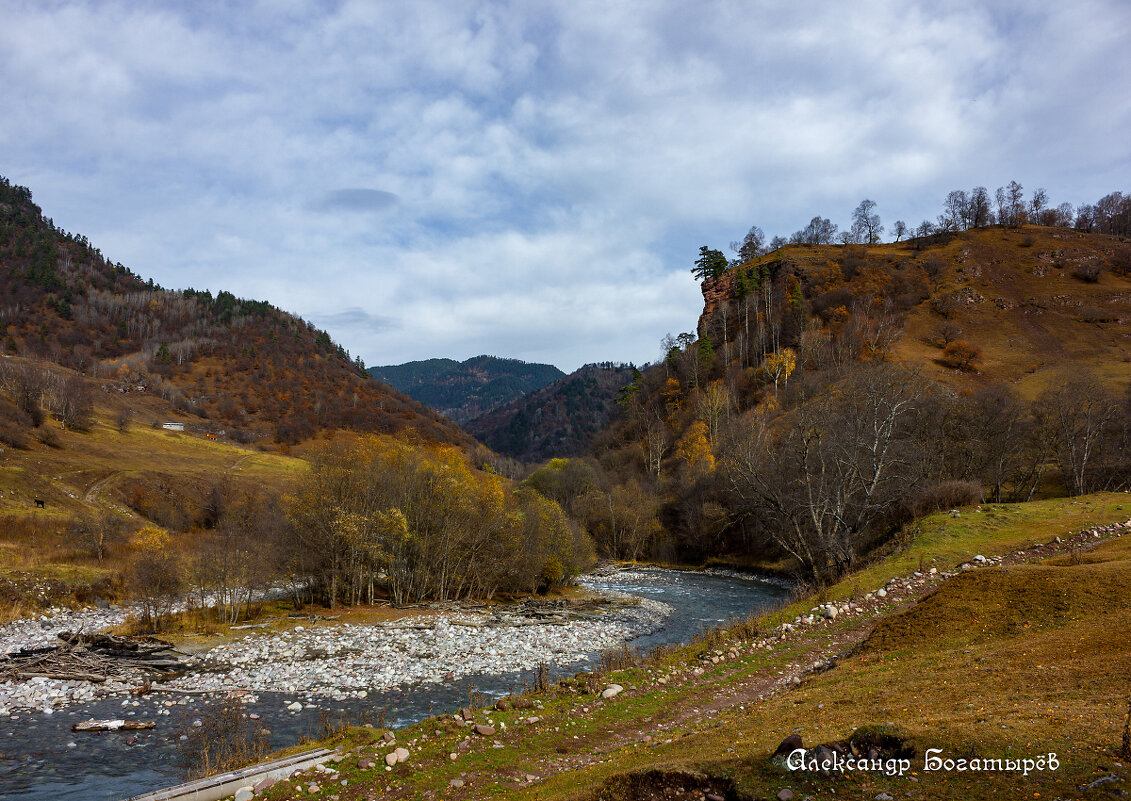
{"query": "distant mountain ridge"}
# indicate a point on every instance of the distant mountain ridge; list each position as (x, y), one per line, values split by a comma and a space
(464, 390)
(558, 420)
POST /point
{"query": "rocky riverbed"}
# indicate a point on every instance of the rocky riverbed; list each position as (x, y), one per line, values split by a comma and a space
(349, 661)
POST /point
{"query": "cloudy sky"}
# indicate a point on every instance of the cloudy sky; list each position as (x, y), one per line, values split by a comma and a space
(532, 179)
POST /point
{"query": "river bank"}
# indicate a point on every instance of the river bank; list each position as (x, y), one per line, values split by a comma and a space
(46, 760)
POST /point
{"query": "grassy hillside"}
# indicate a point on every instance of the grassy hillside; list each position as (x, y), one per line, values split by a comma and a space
(465, 390)
(1011, 661)
(241, 364)
(1035, 300)
(105, 473)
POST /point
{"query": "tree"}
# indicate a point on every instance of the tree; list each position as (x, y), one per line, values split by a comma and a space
(961, 355)
(1016, 196)
(819, 480)
(694, 449)
(957, 211)
(710, 264)
(712, 406)
(819, 231)
(780, 366)
(1038, 203)
(866, 226)
(981, 214)
(751, 246)
(1075, 416)
(899, 229)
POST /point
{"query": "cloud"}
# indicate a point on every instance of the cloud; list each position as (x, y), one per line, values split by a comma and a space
(356, 200)
(357, 318)
(533, 180)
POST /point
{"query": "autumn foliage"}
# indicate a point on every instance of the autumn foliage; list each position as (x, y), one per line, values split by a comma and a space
(961, 355)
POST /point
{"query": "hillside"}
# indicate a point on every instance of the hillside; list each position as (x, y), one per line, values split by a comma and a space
(1034, 300)
(121, 471)
(1010, 660)
(464, 390)
(244, 366)
(557, 420)
(834, 391)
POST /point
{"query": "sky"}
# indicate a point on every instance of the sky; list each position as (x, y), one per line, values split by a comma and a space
(533, 179)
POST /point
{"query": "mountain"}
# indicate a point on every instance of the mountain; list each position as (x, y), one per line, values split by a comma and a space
(243, 365)
(560, 419)
(465, 390)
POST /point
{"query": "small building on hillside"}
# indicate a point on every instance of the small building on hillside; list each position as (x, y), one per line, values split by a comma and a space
(173, 426)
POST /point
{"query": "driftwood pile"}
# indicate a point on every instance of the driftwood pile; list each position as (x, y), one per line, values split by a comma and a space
(91, 657)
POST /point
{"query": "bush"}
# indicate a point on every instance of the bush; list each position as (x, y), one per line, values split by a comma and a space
(961, 355)
(225, 740)
(944, 495)
(1088, 273)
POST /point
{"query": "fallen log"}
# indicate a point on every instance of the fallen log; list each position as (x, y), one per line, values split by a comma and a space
(68, 676)
(113, 725)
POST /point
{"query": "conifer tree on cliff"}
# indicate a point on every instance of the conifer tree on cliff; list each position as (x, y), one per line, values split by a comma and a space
(710, 264)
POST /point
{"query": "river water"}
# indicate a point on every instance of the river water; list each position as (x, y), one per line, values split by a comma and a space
(40, 758)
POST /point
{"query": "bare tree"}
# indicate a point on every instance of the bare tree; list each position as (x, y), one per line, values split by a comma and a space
(1075, 414)
(69, 401)
(981, 214)
(823, 477)
(866, 227)
(751, 246)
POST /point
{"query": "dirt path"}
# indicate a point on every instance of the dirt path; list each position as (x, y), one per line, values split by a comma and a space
(91, 495)
(236, 464)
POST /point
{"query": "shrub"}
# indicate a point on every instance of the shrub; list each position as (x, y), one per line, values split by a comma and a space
(961, 355)
(1088, 273)
(225, 740)
(944, 495)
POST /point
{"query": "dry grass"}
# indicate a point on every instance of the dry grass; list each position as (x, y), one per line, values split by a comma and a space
(1028, 322)
(1001, 662)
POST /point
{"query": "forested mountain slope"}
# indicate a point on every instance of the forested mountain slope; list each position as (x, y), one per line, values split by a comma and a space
(243, 364)
(465, 390)
(833, 392)
(560, 419)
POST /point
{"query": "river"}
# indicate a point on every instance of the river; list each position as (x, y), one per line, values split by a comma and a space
(41, 758)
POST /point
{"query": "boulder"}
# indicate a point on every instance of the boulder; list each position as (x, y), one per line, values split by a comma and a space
(785, 795)
(789, 745)
(483, 730)
(245, 794)
(612, 691)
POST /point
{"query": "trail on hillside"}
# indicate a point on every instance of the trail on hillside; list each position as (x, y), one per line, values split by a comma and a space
(814, 646)
(91, 496)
